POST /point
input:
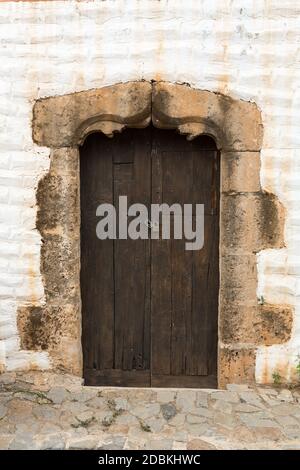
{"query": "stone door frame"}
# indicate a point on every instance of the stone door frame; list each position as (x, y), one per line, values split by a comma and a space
(250, 218)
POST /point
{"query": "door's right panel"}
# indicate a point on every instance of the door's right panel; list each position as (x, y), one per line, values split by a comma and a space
(185, 283)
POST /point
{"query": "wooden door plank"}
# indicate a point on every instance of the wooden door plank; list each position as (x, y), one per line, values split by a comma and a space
(161, 293)
(131, 258)
(97, 287)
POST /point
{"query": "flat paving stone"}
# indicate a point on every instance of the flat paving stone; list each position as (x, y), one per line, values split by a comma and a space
(251, 398)
(51, 442)
(199, 444)
(286, 396)
(224, 406)
(284, 409)
(165, 396)
(168, 410)
(224, 395)
(159, 444)
(58, 394)
(194, 419)
(155, 424)
(186, 401)
(202, 398)
(23, 442)
(237, 387)
(87, 442)
(178, 420)
(5, 441)
(245, 408)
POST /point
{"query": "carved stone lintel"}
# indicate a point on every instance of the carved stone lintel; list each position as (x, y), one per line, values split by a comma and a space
(65, 121)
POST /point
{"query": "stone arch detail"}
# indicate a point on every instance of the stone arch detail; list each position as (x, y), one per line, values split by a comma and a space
(251, 219)
(65, 121)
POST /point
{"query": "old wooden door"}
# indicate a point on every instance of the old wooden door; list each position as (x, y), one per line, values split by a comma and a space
(149, 307)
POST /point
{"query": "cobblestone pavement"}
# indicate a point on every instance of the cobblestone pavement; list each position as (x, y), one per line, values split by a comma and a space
(48, 411)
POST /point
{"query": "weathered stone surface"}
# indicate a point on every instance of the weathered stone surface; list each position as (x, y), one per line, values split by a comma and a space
(5, 441)
(158, 444)
(146, 411)
(200, 411)
(186, 401)
(109, 423)
(3, 411)
(127, 419)
(199, 444)
(202, 398)
(168, 410)
(196, 429)
(7, 378)
(58, 394)
(245, 322)
(51, 442)
(178, 420)
(121, 404)
(88, 443)
(222, 405)
(194, 419)
(75, 407)
(287, 421)
(236, 125)
(268, 434)
(86, 417)
(225, 419)
(50, 428)
(23, 442)
(85, 395)
(64, 162)
(251, 398)
(283, 409)
(267, 221)
(237, 387)
(236, 268)
(155, 424)
(56, 327)
(274, 324)
(116, 443)
(46, 412)
(245, 408)
(272, 392)
(17, 408)
(165, 396)
(256, 421)
(178, 445)
(240, 172)
(231, 397)
(292, 432)
(285, 396)
(64, 121)
(97, 402)
(237, 365)
(179, 435)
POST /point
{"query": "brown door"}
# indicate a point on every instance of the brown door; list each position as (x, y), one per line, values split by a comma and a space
(149, 307)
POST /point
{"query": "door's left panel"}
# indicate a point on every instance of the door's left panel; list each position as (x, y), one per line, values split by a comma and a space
(115, 274)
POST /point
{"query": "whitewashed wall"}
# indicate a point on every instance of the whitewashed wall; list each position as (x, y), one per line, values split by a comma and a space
(248, 49)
